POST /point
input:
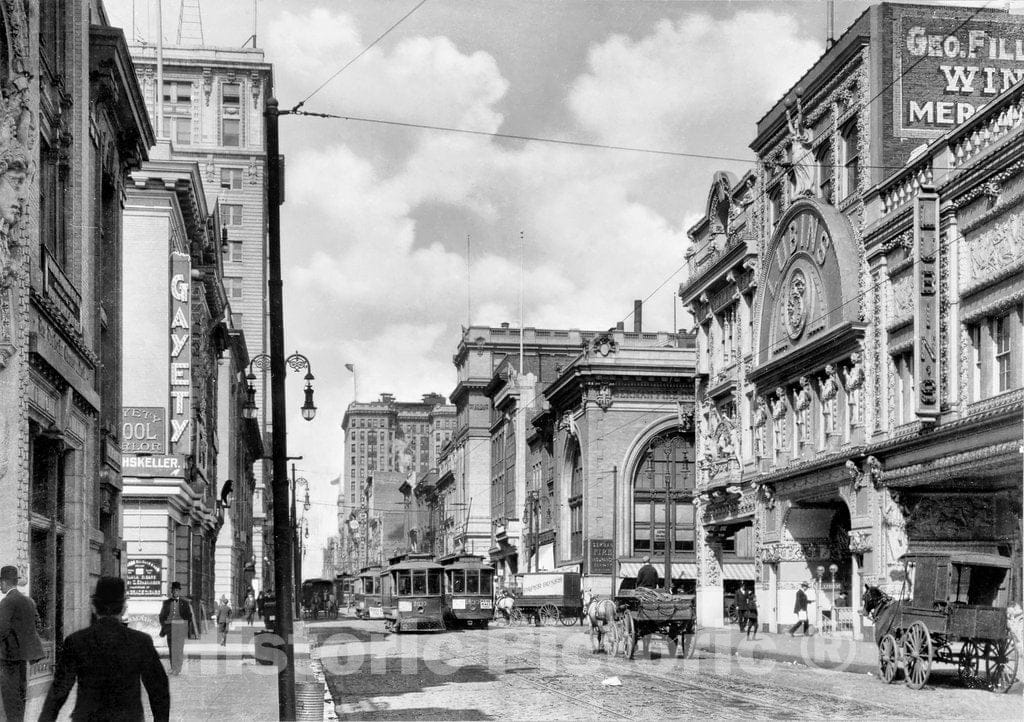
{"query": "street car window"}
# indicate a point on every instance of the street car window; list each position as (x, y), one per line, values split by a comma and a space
(485, 583)
(434, 582)
(404, 584)
(419, 583)
(458, 581)
(472, 582)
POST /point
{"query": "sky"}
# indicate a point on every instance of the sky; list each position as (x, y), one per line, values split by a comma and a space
(378, 271)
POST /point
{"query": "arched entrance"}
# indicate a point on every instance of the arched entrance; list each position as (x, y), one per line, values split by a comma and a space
(817, 550)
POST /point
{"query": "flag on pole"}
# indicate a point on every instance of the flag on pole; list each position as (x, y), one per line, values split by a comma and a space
(351, 367)
(336, 480)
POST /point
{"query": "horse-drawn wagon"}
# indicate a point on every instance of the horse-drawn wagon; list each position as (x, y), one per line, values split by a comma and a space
(644, 612)
(956, 599)
(548, 598)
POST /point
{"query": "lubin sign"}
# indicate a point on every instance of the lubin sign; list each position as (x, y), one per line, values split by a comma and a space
(946, 68)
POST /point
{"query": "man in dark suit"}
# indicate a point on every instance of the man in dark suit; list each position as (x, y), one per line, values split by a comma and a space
(647, 575)
(19, 643)
(741, 607)
(175, 624)
(109, 660)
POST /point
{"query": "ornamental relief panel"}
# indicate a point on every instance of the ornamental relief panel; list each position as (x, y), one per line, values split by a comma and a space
(902, 309)
(993, 253)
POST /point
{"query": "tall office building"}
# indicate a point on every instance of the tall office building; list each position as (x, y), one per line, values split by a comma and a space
(208, 102)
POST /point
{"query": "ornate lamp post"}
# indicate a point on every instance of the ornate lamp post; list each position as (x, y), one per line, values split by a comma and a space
(297, 362)
(817, 606)
(832, 569)
(668, 444)
(296, 539)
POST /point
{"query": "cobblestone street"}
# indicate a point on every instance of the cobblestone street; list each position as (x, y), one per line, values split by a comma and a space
(551, 673)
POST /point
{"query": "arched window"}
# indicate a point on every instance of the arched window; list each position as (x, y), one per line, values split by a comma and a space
(576, 502)
(666, 472)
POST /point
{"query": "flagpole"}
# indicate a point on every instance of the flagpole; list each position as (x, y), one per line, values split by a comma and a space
(522, 312)
(469, 288)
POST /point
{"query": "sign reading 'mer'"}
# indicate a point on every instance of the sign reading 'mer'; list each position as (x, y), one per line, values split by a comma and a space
(946, 65)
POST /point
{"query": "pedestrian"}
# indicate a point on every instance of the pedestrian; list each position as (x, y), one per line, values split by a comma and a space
(800, 608)
(249, 605)
(223, 616)
(108, 661)
(647, 575)
(260, 601)
(741, 607)
(19, 643)
(751, 616)
(176, 625)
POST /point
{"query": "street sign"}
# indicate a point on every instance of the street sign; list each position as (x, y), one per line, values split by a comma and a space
(600, 556)
(143, 578)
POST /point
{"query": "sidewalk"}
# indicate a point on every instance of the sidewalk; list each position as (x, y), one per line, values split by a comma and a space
(834, 653)
(219, 684)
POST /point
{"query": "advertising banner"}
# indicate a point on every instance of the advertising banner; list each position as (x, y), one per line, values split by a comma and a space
(542, 585)
(926, 316)
(169, 465)
(143, 430)
(945, 67)
(143, 578)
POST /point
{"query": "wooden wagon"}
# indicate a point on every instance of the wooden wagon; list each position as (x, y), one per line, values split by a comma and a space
(548, 598)
(644, 612)
(955, 614)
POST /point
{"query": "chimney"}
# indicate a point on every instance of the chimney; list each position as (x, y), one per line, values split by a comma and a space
(620, 326)
(638, 316)
(504, 324)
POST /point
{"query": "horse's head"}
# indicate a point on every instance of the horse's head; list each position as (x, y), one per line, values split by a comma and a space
(874, 600)
(588, 597)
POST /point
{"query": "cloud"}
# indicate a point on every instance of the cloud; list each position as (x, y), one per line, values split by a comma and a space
(675, 87)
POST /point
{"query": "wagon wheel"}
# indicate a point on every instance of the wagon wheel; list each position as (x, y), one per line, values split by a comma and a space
(1001, 659)
(917, 654)
(569, 619)
(515, 616)
(968, 662)
(888, 665)
(548, 614)
(673, 636)
(629, 626)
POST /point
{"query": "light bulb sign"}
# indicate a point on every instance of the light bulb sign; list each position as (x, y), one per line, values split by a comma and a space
(180, 348)
(926, 316)
(945, 66)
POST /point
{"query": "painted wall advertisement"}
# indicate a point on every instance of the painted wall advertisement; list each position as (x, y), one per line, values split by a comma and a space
(144, 430)
(945, 67)
(143, 578)
(181, 353)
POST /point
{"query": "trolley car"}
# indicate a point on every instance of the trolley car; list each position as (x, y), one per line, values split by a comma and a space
(413, 596)
(344, 588)
(316, 597)
(468, 590)
(367, 593)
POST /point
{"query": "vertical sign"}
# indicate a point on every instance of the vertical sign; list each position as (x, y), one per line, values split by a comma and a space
(181, 353)
(926, 293)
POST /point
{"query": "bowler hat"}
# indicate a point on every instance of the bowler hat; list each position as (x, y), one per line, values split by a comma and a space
(9, 574)
(804, 584)
(109, 590)
(175, 585)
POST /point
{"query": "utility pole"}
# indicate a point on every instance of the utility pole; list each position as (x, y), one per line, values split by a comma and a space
(279, 482)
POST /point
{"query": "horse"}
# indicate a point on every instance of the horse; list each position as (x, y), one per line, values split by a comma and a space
(603, 616)
(881, 609)
(504, 605)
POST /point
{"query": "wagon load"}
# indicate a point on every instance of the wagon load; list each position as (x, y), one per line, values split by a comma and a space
(647, 612)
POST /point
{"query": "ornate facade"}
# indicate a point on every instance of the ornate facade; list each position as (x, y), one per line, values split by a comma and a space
(875, 376)
(72, 126)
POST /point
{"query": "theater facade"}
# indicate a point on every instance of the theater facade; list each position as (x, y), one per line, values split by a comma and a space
(858, 301)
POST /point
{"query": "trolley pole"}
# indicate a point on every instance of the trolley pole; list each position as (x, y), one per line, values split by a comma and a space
(279, 481)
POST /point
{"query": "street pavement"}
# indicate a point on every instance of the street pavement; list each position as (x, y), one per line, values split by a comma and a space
(221, 683)
(543, 673)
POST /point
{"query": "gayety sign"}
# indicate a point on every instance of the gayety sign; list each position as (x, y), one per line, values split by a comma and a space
(945, 67)
(181, 353)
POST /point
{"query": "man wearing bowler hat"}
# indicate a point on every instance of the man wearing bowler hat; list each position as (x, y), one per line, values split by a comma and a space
(108, 661)
(175, 623)
(19, 643)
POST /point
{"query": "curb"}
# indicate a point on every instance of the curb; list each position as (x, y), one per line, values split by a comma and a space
(775, 655)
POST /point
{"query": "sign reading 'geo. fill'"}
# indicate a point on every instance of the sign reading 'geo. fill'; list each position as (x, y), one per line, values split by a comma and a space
(946, 65)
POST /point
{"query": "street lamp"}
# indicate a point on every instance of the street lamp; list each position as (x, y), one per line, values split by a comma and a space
(832, 569)
(296, 538)
(296, 362)
(817, 611)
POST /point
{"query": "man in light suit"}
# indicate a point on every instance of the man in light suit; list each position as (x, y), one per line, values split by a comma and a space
(19, 643)
(109, 661)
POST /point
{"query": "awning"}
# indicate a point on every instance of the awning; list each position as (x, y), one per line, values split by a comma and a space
(680, 570)
(739, 571)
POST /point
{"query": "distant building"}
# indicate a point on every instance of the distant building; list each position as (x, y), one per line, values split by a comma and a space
(392, 437)
(210, 110)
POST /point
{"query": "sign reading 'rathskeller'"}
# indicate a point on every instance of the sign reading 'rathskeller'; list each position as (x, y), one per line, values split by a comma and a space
(945, 67)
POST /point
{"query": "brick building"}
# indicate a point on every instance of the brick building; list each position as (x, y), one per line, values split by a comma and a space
(210, 109)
